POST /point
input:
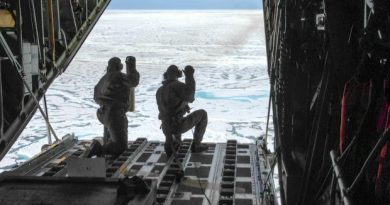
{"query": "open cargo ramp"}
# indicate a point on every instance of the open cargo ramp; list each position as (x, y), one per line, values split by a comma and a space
(228, 173)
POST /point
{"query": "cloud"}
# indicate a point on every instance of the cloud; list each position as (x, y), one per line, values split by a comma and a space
(185, 4)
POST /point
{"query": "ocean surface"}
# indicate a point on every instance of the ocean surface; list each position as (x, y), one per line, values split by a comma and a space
(226, 48)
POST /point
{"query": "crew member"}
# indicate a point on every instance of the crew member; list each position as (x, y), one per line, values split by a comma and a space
(112, 94)
(172, 100)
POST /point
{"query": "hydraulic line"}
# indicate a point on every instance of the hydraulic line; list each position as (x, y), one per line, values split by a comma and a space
(315, 132)
(346, 151)
(35, 24)
(47, 114)
(51, 29)
(41, 33)
(268, 115)
(276, 36)
(73, 16)
(266, 136)
(1, 104)
(86, 10)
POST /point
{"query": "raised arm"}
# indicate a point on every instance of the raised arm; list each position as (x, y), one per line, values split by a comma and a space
(132, 76)
(186, 90)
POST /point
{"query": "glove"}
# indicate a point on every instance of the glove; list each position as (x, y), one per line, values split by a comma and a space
(130, 59)
(189, 71)
(130, 64)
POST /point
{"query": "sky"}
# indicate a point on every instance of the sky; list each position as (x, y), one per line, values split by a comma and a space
(185, 4)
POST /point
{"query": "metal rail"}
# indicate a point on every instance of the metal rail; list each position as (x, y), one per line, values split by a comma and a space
(19, 71)
(340, 179)
(371, 157)
(346, 191)
(49, 67)
(1, 103)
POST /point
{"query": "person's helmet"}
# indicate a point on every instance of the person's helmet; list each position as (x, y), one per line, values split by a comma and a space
(114, 64)
(173, 72)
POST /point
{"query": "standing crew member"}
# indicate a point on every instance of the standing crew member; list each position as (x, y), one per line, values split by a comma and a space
(172, 100)
(112, 94)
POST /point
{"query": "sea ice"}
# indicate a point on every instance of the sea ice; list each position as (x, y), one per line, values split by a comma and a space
(227, 49)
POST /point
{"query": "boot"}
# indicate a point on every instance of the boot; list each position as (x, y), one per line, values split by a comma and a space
(95, 149)
(196, 148)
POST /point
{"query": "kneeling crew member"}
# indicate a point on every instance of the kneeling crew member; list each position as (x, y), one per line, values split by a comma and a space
(112, 94)
(172, 100)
